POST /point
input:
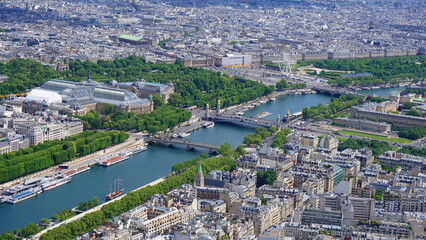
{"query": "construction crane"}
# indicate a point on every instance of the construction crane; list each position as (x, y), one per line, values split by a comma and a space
(16, 94)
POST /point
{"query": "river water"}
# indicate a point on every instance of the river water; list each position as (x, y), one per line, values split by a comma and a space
(143, 167)
(382, 92)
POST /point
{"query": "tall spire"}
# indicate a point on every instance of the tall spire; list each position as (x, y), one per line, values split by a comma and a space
(199, 178)
(88, 74)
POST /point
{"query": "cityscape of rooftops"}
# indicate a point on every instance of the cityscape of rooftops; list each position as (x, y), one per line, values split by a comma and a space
(189, 119)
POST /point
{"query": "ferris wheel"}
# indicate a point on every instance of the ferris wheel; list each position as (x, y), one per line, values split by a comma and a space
(287, 63)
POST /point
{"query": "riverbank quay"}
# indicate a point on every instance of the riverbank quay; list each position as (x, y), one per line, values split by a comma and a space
(77, 217)
(93, 220)
(277, 93)
(87, 160)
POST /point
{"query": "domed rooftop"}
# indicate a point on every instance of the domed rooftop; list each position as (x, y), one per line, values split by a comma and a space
(76, 92)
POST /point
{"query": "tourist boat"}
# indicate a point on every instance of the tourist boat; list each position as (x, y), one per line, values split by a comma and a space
(133, 151)
(183, 135)
(273, 99)
(114, 191)
(4, 198)
(112, 161)
(24, 195)
(77, 171)
(262, 115)
(262, 101)
(208, 124)
(138, 150)
(251, 106)
(55, 182)
(28, 183)
(175, 135)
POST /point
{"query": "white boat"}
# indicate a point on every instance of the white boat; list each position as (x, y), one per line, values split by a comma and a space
(4, 198)
(24, 195)
(262, 115)
(138, 150)
(77, 171)
(112, 161)
(273, 99)
(208, 124)
(183, 135)
(55, 182)
(28, 183)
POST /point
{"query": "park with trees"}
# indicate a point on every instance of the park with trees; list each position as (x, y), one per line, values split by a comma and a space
(38, 157)
(333, 108)
(384, 70)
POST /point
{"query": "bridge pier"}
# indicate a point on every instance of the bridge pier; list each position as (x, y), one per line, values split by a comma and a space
(190, 148)
(213, 151)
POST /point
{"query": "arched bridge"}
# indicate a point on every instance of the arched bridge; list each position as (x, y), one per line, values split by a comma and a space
(190, 145)
(336, 91)
(242, 121)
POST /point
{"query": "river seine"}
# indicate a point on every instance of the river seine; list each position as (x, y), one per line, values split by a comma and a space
(144, 167)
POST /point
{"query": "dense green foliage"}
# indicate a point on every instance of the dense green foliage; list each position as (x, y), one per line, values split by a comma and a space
(63, 215)
(160, 119)
(283, 85)
(267, 177)
(29, 230)
(378, 195)
(183, 166)
(377, 147)
(133, 199)
(386, 168)
(256, 138)
(37, 157)
(377, 99)
(414, 113)
(384, 70)
(332, 109)
(281, 138)
(420, 91)
(45, 221)
(158, 101)
(83, 206)
(193, 86)
(24, 74)
(408, 105)
(421, 152)
(412, 133)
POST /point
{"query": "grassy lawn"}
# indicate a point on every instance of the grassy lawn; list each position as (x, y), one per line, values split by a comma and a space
(377, 137)
(394, 148)
(342, 139)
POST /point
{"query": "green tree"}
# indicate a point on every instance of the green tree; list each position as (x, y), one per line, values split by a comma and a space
(107, 109)
(412, 133)
(175, 100)
(226, 150)
(240, 150)
(267, 177)
(45, 221)
(29, 230)
(414, 112)
(158, 101)
(408, 105)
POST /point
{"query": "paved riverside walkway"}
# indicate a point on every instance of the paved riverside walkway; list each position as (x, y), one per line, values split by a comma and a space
(87, 160)
(37, 236)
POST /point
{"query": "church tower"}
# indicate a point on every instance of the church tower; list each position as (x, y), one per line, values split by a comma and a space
(199, 179)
